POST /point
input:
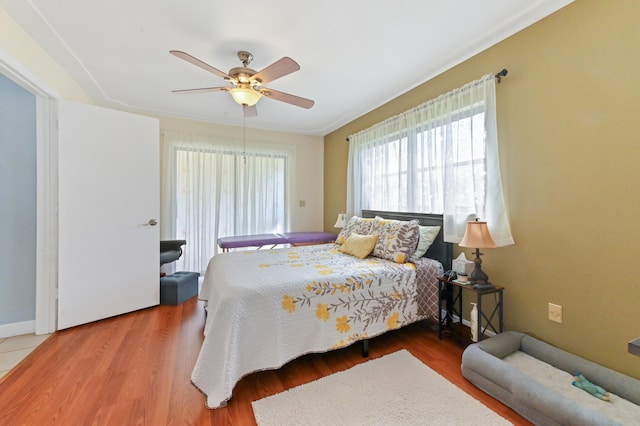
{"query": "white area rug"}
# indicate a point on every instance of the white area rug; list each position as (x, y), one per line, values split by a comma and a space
(397, 389)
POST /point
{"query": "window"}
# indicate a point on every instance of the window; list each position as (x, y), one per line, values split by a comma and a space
(216, 189)
(252, 190)
(439, 157)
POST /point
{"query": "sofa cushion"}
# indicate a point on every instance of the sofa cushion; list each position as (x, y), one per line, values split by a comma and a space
(559, 381)
(618, 383)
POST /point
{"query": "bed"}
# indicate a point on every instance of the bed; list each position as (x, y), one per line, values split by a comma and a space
(265, 308)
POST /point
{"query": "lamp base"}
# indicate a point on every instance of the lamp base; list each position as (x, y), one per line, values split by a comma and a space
(478, 276)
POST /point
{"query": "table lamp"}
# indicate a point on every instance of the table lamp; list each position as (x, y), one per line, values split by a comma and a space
(341, 221)
(477, 236)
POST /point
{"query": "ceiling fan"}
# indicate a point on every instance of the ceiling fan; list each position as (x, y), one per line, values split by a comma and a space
(247, 84)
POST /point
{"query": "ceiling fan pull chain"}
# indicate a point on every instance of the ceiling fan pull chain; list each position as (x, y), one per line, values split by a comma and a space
(244, 134)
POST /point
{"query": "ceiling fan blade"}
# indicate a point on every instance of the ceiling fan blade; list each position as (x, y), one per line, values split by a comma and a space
(276, 70)
(197, 62)
(201, 90)
(286, 97)
(250, 111)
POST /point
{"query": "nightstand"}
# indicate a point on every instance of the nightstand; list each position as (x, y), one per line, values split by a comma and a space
(453, 294)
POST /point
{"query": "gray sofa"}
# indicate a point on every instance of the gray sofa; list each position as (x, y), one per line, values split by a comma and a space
(483, 366)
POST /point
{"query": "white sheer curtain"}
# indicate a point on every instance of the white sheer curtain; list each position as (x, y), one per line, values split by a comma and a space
(215, 187)
(439, 157)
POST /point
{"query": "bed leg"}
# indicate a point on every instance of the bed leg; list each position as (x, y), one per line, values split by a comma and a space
(365, 348)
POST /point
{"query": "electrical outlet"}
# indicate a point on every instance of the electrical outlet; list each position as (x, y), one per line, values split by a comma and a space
(555, 313)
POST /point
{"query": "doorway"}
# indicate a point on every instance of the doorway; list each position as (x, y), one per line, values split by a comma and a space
(37, 247)
(18, 207)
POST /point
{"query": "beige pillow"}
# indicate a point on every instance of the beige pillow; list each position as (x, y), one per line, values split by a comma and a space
(359, 245)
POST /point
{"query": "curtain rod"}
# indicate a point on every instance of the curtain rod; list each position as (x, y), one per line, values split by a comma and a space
(501, 74)
(498, 76)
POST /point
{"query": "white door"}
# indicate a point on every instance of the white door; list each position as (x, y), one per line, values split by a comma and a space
(108, 194)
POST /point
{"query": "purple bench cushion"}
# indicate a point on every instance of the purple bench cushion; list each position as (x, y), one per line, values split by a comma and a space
(309, 237)
(257, 240)
(260, 240)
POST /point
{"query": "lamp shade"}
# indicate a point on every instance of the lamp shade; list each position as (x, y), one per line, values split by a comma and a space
(477, 236)
(341, 221)
(245, 95)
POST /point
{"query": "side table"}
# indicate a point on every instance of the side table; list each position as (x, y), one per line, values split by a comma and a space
(453, 291)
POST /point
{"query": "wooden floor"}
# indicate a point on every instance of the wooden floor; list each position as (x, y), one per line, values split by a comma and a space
(134, 370)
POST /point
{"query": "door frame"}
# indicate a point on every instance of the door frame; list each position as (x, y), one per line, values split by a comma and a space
(46, 191)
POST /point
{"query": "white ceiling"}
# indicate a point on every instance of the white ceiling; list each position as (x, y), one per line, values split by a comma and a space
(354, 55)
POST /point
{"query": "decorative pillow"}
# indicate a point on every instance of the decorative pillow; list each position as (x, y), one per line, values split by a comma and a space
(356, 224)
(428, 235)
(398, 239)
(359, 245)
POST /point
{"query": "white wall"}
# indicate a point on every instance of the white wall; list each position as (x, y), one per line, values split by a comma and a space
(21, 56)
(309, 167)
(26, 63)
(29, 58)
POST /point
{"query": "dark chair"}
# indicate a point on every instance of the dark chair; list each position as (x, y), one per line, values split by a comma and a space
(170, 250)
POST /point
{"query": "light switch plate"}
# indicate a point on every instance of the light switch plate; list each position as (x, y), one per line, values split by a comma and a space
(555, 313)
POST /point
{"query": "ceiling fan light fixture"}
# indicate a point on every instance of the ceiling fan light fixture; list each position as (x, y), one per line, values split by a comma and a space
(247, 84)
(245, 95)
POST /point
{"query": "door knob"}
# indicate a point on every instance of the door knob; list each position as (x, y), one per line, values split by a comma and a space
(152, 222)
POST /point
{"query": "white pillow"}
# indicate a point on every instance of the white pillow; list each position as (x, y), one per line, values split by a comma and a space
(428, 235)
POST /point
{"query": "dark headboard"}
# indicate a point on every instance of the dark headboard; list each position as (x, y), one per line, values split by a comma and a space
(439, 250)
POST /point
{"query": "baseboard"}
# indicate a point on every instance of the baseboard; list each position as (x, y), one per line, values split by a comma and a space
(456, 318)
(17, 328)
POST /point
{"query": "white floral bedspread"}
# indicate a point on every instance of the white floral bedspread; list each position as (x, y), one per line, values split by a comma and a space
(267, 307)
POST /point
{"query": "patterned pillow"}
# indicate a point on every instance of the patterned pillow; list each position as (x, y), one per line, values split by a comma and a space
(356, 224)
(398, 239)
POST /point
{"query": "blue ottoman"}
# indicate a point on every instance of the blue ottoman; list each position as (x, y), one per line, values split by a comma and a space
(178, 287)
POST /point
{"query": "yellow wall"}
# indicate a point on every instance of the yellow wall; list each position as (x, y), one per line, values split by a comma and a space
(569, 130)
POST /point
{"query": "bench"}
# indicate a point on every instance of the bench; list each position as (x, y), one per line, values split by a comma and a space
(262, 240)
(178, 287)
